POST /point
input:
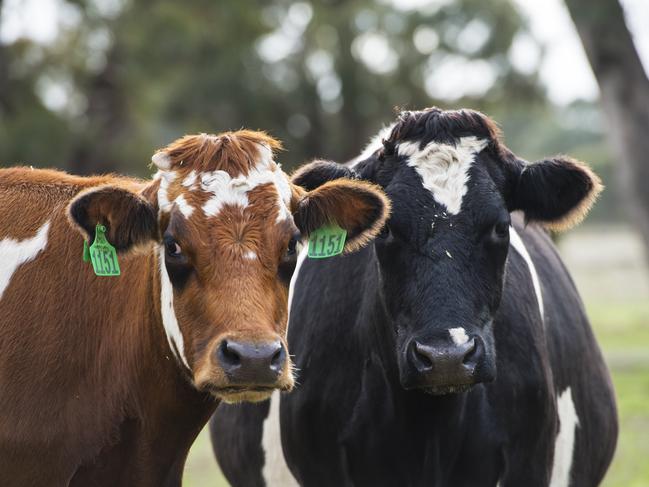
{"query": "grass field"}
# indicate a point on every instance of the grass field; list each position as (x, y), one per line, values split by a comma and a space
(613, 278)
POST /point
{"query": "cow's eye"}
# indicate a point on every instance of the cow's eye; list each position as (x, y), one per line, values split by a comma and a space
(292, 244)
(172, 248)
(500, 231)
(384, 233)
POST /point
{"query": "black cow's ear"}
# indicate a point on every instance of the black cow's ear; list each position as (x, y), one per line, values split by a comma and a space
(130, 219)
(361, 208)
(557, 192)
(316, 173)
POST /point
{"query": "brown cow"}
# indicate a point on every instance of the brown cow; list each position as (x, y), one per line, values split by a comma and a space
(108, 380)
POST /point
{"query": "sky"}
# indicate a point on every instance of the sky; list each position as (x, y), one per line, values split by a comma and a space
(564, 69)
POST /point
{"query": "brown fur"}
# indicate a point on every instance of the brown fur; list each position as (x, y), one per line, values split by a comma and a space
(92, 394)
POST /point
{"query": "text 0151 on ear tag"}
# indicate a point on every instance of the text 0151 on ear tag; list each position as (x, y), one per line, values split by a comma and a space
(326, 242)
(103, 255)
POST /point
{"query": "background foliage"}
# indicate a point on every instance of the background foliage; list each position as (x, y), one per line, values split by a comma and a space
(123, 77)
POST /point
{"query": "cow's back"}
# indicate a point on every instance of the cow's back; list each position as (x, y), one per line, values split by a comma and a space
(53, 324)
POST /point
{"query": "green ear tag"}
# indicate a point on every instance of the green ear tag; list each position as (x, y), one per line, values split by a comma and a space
(86, 252)
(326, 242)
(103, 255)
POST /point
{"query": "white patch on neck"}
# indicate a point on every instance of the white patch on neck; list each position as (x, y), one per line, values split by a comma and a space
(15, 253)
(565, 443)
(234, 191)
(169, 320)
(185, 208)
(373, 145)
(444, 169)
(458, 335)
(275, 470)
(516, 242)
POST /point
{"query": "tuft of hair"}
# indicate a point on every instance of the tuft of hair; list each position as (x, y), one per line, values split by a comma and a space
(233, 152)
(443, 126)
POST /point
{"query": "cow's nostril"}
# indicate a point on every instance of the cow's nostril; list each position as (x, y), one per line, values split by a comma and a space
(278, 358)
(422, 356)
(229, 354)
(471, 352)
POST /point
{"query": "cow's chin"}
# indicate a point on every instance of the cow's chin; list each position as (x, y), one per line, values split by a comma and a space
(444, 390)
(245, 396)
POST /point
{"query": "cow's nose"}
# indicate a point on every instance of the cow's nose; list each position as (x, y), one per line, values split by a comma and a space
(445, 365)
(249, 363)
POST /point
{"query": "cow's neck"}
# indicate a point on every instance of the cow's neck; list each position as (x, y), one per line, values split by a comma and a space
(162, 412)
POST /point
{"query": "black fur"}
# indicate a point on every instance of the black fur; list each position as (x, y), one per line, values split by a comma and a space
(358, 419)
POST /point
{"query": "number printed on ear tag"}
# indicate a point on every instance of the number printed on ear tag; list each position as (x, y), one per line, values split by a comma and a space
(103, 255)
(326, 242)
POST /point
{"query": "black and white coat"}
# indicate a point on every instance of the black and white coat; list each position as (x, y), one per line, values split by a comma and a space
(455, 350)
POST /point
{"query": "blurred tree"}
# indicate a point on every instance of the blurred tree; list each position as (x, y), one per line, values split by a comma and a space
(126, 76)
(624, 91)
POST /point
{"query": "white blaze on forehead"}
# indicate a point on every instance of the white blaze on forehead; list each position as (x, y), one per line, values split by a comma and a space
(516, 242)
(373, 145)
(14, 253)
(565, 442)
(275, 470)
(161, 160)
(234, 191)
(169, 320)
(190, 180)
(166, 178)
(250, 255)
(444, 168)
(185, 208)
(458, 335)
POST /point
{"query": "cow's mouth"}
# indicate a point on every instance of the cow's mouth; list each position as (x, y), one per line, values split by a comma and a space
(240, 393)
(443, 390)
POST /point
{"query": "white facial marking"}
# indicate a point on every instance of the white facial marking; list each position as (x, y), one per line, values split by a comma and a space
(444, 169)
(234, 191)
(166, 178)
(250, 255)
(373, 145)
(458, 335)
(185, 208)
(169, 320)
(275, 470)
(190, 180)
(161, 160)
(565, 442)
(17, 252)
(516, 242)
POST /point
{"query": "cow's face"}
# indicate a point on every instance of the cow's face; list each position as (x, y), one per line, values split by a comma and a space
(227, 226)
(443, 252)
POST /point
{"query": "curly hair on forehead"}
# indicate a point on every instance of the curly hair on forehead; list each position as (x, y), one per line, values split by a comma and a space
(234, 152)
(443, 126)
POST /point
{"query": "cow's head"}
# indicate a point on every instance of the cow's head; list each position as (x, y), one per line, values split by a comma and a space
(223, 222)
(442, 254)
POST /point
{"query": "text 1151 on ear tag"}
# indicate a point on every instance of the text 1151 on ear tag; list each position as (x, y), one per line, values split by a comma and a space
(103, 255)
(326, 242)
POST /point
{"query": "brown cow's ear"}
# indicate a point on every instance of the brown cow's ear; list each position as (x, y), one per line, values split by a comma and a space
(318, 172)
(558, 192)
(130, 219)
(359, 207)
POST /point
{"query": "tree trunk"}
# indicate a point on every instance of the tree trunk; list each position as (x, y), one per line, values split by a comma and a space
(624, 95)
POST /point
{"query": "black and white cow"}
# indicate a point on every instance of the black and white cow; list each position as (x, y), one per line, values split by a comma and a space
(454, 351)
